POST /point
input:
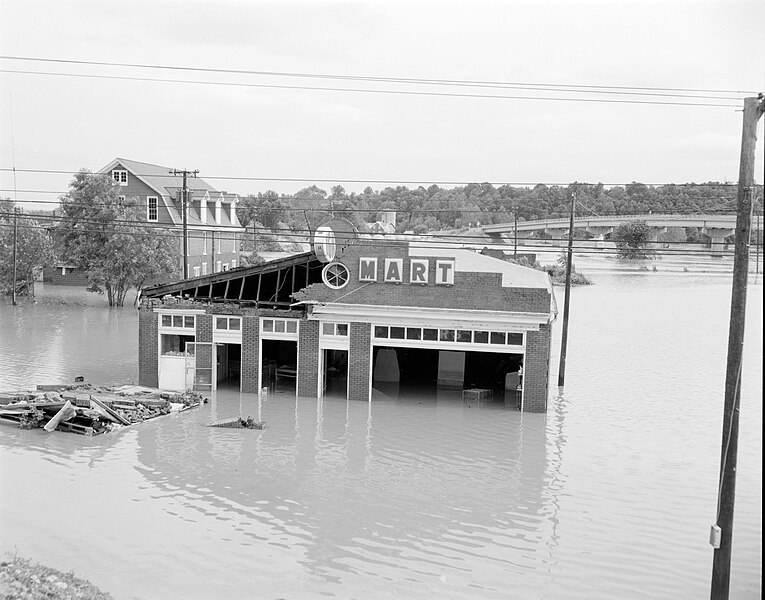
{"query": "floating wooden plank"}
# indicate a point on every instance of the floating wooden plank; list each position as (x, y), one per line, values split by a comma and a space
(109, 411)
(77, 428)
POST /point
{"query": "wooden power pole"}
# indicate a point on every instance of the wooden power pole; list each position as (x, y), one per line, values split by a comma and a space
(722, 531)
(564, 337)
(184, 211)
(15, 242)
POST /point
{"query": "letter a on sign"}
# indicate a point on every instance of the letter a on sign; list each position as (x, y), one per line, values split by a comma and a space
(444, 272)
(418, 270)
(393, 270)
(367, 269)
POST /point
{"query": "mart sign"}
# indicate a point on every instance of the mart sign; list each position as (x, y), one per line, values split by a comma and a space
(391, 270)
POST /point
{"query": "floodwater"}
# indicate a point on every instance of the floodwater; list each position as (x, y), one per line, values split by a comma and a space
(610, 494)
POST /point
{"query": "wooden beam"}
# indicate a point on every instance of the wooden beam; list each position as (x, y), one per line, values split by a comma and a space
(225, 293)
(257, 295)
(241, 288)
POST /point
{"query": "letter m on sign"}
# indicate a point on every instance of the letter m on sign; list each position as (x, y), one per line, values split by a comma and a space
(367, 269)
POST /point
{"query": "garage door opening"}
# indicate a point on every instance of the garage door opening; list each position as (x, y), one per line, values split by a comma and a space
(228, 366)
(279, 366)
(424, 373)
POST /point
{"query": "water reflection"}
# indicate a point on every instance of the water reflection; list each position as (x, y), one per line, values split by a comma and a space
(366, 488)
(407, 498)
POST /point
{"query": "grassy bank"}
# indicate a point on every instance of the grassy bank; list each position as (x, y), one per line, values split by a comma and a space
(22, 579)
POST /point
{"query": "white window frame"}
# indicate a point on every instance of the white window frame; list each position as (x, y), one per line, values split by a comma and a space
(196, 271)
(229, 322)
(279, 323)
(204, 268)
(204, 243)
(120, 177)
(446, 344)
(148, 208)
(233, 263)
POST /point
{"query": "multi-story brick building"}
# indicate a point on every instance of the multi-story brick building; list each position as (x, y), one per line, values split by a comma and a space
(214, 232)
(357, 317)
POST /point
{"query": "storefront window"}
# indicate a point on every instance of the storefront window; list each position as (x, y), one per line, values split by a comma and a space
(381, 332)
(430, 334)
(397, 333)
(515, 339)
(176, 345)
(481, 337)
(497, 337)
(413, 333)
(464, 335)
(342, 329)
(446, 335)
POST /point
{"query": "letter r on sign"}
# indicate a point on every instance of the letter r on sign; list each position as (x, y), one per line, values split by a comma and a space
(418, 270)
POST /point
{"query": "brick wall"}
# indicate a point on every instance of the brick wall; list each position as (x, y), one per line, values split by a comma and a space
(148, 348)
(250, 354)
(359, 361)
(74, 277)
(536, 370)
(471, 290)
(204, 354)
(308, 359)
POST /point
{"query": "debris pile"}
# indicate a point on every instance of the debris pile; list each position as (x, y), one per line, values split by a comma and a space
(89, 410)
(248, 423)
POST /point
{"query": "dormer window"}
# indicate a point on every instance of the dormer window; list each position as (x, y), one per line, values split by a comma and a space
(120, 176)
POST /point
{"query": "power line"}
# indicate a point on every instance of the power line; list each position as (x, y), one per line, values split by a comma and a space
(367, 91)
(394, 181)
(387, 79)
(434, 240)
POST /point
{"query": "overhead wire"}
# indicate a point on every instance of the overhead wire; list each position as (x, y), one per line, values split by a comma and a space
(384, 79)
(421, 183)
(434, 240)
(368, 91)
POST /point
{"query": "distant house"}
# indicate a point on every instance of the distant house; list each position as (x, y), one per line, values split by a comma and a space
(214, 231)
(386, 224)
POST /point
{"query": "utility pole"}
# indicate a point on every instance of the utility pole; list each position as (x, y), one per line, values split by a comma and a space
(184, 211)
(722, 531)
(15, 236)
(564, 338)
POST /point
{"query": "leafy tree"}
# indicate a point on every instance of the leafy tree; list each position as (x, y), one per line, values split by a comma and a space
(34, 250)
(267, 208)
(108, 238)
(632, 239)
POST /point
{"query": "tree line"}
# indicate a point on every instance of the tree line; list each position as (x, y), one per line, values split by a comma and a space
(435, 208)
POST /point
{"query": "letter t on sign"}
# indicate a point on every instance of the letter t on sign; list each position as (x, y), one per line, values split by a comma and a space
(444, 272)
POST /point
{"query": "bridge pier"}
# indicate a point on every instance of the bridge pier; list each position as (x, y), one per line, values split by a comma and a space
(559, 236)
(599, 241)
(718, 236)
(653, 235)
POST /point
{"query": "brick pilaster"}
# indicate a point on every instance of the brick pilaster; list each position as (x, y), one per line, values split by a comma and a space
(359, 361)
(308, 359)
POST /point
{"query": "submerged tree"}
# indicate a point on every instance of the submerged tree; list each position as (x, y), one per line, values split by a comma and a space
(632, 239)
(109, 238)
(34, 250)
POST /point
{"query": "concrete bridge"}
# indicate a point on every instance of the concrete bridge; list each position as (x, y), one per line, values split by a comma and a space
(717, 227)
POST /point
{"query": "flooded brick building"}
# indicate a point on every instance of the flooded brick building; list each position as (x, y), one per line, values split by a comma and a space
(357, 317)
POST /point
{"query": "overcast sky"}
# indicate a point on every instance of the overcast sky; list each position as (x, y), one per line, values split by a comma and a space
(67, 123)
